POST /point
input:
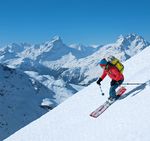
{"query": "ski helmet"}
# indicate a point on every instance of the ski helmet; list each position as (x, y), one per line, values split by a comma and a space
(103, 62)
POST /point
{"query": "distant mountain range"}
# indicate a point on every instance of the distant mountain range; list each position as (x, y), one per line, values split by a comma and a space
(61, 68)
(51, 70)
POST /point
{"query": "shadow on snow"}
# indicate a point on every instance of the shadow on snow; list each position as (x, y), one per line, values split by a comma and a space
(136, 90)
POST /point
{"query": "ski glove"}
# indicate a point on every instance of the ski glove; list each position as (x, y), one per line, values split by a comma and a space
(99, 81)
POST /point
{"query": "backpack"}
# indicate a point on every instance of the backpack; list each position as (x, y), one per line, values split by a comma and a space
(116, 62)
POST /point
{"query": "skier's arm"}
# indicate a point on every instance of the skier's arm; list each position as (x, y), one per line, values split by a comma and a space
(103, 75)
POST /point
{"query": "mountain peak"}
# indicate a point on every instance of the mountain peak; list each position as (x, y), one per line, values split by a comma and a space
(56, 39)
(133, 37)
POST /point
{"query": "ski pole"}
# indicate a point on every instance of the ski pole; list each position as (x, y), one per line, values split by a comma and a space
(132, 83)
(101, 90)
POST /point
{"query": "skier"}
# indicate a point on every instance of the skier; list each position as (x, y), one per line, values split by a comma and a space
(116, 76)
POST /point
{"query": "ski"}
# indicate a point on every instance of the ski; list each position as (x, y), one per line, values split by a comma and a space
(100, 110)
(107, 104)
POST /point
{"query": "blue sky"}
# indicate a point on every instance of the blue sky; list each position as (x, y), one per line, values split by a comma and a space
(76, 21)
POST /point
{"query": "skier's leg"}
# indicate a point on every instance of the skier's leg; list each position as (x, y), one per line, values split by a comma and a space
(112, 91)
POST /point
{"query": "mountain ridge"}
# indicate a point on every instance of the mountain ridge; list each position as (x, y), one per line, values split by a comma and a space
(73, 64)
(20, 100)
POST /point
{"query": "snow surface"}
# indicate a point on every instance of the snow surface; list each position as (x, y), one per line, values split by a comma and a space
(50, 70)
(46, 102)
(126, 120)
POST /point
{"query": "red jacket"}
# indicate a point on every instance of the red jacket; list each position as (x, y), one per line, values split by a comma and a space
(113, 73)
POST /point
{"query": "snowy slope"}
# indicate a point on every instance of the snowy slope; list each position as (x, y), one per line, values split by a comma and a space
(125, 120)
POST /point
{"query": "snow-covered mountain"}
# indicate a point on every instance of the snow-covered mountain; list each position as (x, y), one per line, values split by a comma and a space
(62, 68)
(66, 69)
(49, 73)
(126, 120)
(21, 99)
